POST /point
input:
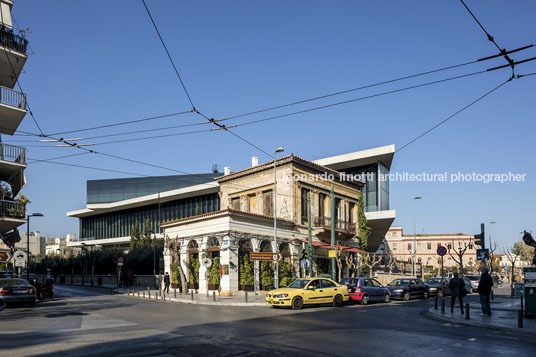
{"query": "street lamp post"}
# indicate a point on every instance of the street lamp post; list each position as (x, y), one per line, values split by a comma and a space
(28, 241)
(415, 237)
(276, 273)
(490, 247)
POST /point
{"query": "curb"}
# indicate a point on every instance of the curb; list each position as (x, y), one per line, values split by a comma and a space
(439, 317)
(200, 302)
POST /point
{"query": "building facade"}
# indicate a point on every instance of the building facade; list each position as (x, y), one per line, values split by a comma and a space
(12, 110)
(402, 247)
(244, 223)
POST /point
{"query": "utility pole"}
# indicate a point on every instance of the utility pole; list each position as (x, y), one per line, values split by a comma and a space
(309, 235)
(332, 230)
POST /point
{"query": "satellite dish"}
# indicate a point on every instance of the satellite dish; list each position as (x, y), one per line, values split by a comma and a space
(207, 262)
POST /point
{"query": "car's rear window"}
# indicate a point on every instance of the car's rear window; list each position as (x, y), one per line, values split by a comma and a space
(473, 277)
(348, 281)
(13, 282)
(399, 282)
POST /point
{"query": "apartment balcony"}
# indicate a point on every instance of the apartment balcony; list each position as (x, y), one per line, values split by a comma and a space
(12, 110)
(322, 227)
(12, 215)
(12, 165)
(11, 65)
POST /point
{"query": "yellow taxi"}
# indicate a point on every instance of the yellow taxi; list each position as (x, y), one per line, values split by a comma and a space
(308, 291)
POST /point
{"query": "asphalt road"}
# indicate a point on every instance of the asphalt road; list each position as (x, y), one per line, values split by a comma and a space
(78, 322)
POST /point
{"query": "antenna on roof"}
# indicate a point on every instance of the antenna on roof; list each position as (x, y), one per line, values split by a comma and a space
(215, 168)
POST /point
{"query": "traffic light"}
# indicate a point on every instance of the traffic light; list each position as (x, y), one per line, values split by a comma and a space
(480, 238)
(302, 253)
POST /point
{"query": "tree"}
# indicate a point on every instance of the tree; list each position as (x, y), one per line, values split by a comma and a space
(338, 259)
(459, 253)
(140, 236)
(524, 251)
(174, 247)
(369, 260)
(393, 262)
(351, 264)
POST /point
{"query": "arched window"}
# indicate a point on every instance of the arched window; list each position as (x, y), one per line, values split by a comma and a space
(213, 244)
(266, 246)
(245, 245)
(192, 247)
(284, 249)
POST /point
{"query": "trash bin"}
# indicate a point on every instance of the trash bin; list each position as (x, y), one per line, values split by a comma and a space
(530, 291)
(519, 289)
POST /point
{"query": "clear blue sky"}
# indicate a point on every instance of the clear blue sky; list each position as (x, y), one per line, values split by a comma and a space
(100, 62)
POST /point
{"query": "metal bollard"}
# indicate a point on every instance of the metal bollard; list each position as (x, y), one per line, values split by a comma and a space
(520, 319)
(435, 303)
(467, 313)
(443, 306)
(138, 293)
(214, 296)
(192, 294)
(128, 292)
(246, 296)
(144, 294)
(175, 293)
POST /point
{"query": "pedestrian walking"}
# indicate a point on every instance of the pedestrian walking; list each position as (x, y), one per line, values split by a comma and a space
(484, 290)
(166, 283)
(457, 287)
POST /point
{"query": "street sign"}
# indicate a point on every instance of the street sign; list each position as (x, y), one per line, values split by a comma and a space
(441, 251)
(207, 262)
(5, 256)
(332, 253)
(304, 263)
(20, 257)
(265, 256)
(120, 261)
(482, 254)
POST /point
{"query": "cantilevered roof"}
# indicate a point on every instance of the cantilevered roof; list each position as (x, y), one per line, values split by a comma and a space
(115, 190)
(384, 154)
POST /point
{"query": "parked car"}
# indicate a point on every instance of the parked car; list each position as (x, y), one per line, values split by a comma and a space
(468, 285)
(434, 287)
(308, 291)
(13, 291)
(364, 290)
(475, 279)
(407, 288)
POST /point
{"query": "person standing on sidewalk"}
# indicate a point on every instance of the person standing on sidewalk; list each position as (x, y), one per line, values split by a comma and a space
(166, 283)
(484, 290)
(457, 286)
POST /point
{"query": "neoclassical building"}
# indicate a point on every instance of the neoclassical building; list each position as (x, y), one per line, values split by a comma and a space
(245, 223)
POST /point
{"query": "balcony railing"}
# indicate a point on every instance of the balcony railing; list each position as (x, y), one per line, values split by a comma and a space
(12, 98)
(325, 222)
(12, 153)
(12, 209)
(12, 41)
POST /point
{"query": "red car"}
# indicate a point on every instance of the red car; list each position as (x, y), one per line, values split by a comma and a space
(364, 290)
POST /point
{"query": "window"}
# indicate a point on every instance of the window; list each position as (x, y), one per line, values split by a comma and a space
(429, 246)
(470, 245)
(252, 203)
(351, 209)
(268, 200)
(326, 284)
(409, 246)
(321, 205)
(418, 246)
(304, 193)
(438, 245)
(394, 246)
(235, 203)
(449, 246)
(375, 283)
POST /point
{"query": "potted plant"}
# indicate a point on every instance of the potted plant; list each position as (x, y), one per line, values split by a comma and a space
(267, 275)
(214, 274)
(246, 273)
(193, 272)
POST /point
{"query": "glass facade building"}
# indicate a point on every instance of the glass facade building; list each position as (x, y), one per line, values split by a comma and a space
(119, 223)
(376, 189)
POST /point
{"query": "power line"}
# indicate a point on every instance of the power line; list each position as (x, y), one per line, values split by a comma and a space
(456, 113)
(126, 122)
(360, 98)
(56, 158)
(167, 52)
(490, 38)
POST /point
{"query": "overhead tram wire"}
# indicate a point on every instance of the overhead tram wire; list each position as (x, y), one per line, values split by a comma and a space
(455, 114)
(55, 158)
(126, 122)
(168, 54)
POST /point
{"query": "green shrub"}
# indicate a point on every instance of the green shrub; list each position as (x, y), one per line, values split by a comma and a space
(267, 274)
(193, 269)
(214, 272)
(285, 273)
(246, 270)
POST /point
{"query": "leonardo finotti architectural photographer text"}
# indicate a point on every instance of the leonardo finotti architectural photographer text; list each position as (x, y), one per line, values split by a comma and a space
(419, 177)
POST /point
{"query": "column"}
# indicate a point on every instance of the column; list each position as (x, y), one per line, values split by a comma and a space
(229, 266)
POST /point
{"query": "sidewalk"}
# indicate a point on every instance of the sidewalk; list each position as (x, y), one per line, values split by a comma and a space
(504, 313)
(201, 299)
